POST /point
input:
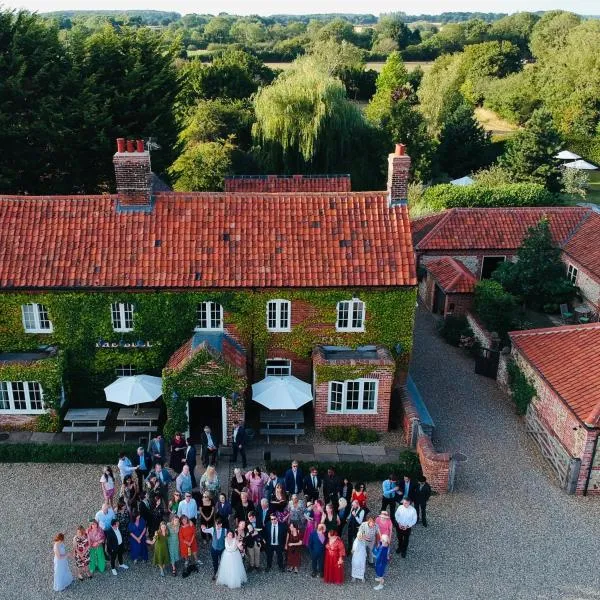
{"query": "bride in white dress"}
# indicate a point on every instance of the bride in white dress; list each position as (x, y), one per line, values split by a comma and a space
(231, 568)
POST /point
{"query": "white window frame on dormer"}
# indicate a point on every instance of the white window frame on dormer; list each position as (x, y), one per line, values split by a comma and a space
(212, 317)
(120, 314)
(125, 370)
(350, 312)
(35, 318)
(21, 397)
(279, 315)
(572, 273)
(349, 397)
(278, 367)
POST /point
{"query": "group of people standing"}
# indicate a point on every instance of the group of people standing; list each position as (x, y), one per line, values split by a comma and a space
(278, 515)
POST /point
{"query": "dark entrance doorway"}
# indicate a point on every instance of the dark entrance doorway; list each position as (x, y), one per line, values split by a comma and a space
(439, 300)
(206, 410)
(486, 363)
(490, 264)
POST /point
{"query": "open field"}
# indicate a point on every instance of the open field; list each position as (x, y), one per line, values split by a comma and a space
(376, 65)
(492, 122)
(593, 194)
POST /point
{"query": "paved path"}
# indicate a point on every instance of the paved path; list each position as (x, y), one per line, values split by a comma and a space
(508, 531)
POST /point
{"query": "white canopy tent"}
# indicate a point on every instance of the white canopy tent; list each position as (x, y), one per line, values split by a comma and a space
(466, 180)
(581, 165)
(134, 390)
(567, 155)
(282, 393)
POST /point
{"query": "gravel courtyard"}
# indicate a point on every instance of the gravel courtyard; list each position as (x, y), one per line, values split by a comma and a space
(507, 532)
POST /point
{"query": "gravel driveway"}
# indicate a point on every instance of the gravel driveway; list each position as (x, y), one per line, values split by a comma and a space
(507, 532)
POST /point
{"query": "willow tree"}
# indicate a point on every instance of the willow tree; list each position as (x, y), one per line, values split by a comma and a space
(306, 124)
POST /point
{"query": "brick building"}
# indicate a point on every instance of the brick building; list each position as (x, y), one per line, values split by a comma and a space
(212, 290)
(563, 365)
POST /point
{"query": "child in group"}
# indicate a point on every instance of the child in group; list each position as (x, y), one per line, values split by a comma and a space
(382, 558)
(359, 558)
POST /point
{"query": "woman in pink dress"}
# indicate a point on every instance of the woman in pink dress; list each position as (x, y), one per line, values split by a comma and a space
(256, 484)
(384, 525)
(313, 518)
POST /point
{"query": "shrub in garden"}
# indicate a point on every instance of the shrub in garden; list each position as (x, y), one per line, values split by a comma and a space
(495, 306)
(352, 435)
(453, 329)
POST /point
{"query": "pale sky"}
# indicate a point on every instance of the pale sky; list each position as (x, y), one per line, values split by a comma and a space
(268, 7)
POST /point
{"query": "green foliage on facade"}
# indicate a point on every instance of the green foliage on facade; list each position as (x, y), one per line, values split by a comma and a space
(326, 373)
(522, 391)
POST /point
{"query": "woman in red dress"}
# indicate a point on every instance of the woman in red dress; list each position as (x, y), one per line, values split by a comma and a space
(334, 559)
(293, 545)
(188, 546)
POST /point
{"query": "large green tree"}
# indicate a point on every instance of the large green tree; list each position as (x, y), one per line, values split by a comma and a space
(391, 110)
(530, 154)
(538, 277)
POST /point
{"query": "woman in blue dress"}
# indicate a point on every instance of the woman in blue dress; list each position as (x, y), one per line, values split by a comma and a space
(382, 559)
(138, 550)
(62, 573)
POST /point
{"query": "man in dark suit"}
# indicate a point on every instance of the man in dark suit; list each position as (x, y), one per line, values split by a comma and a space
(312, 483)
(143, 460)
(114, 545)
(190, 459)
(407, 488)
(274, 535)
(209, 446)
(262, 514)
(238, 442)
(421, 497)
(331, 487)
(294, 479)
(157, 450)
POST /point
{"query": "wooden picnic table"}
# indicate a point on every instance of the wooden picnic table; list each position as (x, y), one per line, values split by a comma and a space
(281, 422)
(86, 420)
(142, 421)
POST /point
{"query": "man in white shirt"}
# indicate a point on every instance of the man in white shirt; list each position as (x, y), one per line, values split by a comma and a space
(114, 545)
(406, 519)
(125, 466)
(105, 517)
(188, 507)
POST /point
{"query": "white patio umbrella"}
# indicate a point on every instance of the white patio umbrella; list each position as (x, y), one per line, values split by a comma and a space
(281, 393)
(567, 155)
(134, 390)
(582, 165)
(466, 180)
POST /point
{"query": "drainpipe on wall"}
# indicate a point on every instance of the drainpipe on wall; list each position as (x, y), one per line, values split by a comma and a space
(589, 475)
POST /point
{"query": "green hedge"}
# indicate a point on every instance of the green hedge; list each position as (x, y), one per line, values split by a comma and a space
(353, 435)
(439, 197)
(408, 464)
(93, 454)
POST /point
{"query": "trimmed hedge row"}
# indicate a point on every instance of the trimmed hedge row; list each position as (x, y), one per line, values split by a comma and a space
(408, 464)
(96, 454)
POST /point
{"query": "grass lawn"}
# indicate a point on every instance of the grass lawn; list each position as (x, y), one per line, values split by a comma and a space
(593, 194)
(492, 122)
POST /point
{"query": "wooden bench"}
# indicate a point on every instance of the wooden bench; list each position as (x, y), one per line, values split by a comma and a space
(125, 429)
(269, 431)
(97, 429)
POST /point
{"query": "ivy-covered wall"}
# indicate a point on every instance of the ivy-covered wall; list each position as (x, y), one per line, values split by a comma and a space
(167, 319)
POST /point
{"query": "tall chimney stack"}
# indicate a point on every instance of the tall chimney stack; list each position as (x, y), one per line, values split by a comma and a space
(398, 172)
(133, 174)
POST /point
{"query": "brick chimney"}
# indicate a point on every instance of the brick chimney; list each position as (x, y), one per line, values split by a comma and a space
(398, 169)
(133, 174)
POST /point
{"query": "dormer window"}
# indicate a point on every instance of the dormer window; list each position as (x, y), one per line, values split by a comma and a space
(122, 316)
(350, 315)
(209, 315)
(279, 315)
(35, 318)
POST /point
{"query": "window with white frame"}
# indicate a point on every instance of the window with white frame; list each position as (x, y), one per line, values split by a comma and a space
(572, 273)
(126, 370)
(122, 316)
(209, 315)
(353, 396)
(278, 367)
(21, 397)
(35, 318)
(350, 315)
(278, 315)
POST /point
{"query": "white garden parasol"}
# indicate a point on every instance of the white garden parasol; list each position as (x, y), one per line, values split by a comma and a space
(567, 155)
(581, 165)
(134, 390)
(281, 393)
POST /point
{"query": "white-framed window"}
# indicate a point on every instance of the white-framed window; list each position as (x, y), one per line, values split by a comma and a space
(122, 316)
(209, 315)
(278, 367)
(350, 315)
(21, 397)
(353, 396)
(572, 273)
(279, 315)
(35, 318)
(125, 370)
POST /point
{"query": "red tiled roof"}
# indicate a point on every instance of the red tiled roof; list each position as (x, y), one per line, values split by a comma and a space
(568, 358)
(498, 228)
(452, 275)
(206, 240)
(288, 183)
(584, 245)
(421, 226)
